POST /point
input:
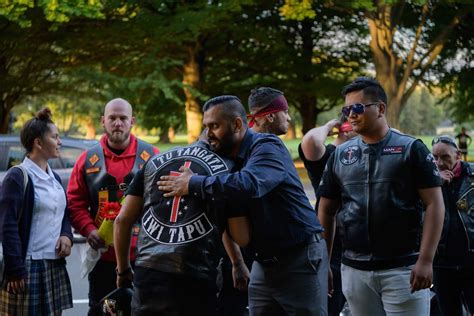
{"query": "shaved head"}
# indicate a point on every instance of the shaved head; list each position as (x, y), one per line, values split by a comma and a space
(123, 104)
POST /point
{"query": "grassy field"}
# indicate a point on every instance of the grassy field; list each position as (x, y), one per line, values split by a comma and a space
(291, 144)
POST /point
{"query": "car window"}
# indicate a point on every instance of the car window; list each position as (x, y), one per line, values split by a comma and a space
(15, 155)
(69, 155)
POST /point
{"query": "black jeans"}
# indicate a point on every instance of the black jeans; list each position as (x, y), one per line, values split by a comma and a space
(453, 287)
(336, 302)
(158, 293)
(102, 281)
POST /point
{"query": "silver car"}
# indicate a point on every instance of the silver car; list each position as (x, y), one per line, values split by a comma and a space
(12, 153)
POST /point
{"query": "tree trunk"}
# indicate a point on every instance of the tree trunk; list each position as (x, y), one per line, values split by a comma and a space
(308, 112)
(90, 128)
(291, 134)
(171, 134)
(4, 119)
(164, 138)
(191, 78)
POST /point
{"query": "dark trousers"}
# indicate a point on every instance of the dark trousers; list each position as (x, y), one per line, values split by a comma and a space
(102, 281)
(296, 284)
(158, 293)
(337, 300)
(230, 301)
(453, 288)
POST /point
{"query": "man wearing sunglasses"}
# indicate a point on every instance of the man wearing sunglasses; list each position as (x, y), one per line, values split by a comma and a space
(454, 263)
(378, 183)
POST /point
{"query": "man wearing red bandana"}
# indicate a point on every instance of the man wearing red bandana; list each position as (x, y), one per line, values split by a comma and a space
(454, 263)
(269, 111)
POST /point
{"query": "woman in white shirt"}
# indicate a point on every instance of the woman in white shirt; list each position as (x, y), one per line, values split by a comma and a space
(37, 231)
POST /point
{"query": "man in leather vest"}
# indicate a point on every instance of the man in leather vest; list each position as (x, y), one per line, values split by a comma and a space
(376, 183)
(101, 175)
(177, 248)
(454, 262)
(289, 272)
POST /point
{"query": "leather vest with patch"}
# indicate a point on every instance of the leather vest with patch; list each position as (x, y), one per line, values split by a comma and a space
(99, 180)
(464, 209)
(179, 235)
(381, 213)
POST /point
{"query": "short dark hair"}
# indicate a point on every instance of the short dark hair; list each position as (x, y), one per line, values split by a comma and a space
(233, 107)
(35, 128)
(261, 97)
(369, 86)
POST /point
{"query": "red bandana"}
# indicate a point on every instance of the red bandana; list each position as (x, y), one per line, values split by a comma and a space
(457, 169)
(278, 104)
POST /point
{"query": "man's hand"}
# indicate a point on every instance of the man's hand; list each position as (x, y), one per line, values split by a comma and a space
(330, 125)
(240, 276)
(63, 246)
(175, 185)
(421, 276)
(95, 241)
(16, 286)
(446, 175)
(330, 283)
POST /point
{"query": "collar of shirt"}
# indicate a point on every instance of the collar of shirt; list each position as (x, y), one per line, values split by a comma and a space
(245, 145)
(36, 171)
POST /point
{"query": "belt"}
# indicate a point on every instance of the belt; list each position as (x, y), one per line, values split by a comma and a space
(278, 255)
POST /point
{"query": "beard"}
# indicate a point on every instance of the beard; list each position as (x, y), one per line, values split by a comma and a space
(116, 137)
(224, 145)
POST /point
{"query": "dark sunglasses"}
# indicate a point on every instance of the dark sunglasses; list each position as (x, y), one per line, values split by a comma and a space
(444, 139)
(357, 108)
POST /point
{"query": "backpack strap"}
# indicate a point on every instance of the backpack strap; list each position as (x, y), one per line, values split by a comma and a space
(25, 183)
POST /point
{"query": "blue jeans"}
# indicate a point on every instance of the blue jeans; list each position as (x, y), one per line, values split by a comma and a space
(383, 292)
(295, 285)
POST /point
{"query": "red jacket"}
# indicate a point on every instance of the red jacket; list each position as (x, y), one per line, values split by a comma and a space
(77, 193)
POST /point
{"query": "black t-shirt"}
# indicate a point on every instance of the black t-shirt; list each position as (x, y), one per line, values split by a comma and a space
(315, 171)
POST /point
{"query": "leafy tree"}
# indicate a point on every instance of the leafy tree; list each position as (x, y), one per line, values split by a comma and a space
(408, 40)
(297, 57)
(30, 59)
(421, 114)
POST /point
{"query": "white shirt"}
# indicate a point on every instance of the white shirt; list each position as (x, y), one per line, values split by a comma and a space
(48, 212)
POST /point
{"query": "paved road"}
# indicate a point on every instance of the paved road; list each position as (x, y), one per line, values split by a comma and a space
(80, 286)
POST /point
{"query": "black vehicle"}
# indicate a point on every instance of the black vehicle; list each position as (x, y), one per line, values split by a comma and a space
(12, 153)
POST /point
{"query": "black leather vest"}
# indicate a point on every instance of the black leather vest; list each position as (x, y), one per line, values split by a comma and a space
(179, 235)
(381, 213)
(98, 179)
(464, 209)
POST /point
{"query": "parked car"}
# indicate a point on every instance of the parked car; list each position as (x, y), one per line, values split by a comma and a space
(12, 153)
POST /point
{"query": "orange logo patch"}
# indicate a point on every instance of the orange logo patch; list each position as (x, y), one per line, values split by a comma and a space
(92, 170)
(145, 155)
(93, 160)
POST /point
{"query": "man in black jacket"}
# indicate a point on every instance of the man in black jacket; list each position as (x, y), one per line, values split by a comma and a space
(454, 262)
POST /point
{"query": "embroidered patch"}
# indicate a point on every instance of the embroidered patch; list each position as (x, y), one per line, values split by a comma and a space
(145, 155)
(92, 170)
(392, 150)
(93, 160)
(350, 155)
(430, 158)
